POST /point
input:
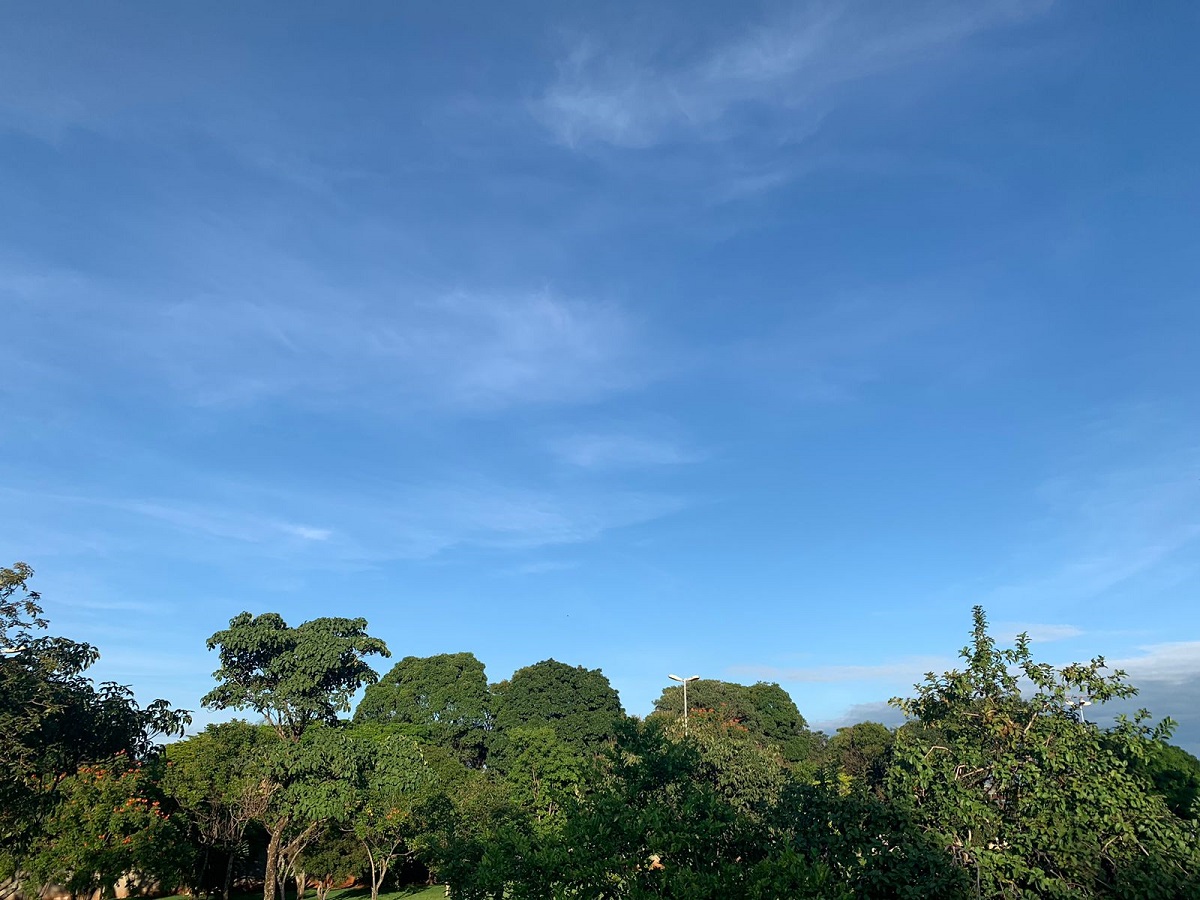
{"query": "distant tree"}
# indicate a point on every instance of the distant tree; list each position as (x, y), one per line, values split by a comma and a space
(54, 719)
(745, 770)
(764, 709)
(219, 780)
(466, 808)
(861, 751)
(295, 678)
(1175, 774)
(579, 704)
(1029, 799)
(445, 696)
(652, 826)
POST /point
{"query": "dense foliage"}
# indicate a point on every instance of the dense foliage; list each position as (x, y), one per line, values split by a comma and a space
(540, 787)
(55, 724)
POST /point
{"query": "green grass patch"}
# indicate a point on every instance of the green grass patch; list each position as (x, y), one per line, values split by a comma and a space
(415, 892)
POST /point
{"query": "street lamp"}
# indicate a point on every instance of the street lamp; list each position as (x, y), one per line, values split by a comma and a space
(684, 682)
(1079, 705)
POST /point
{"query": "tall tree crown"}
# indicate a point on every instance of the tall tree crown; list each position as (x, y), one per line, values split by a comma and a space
(293, 677)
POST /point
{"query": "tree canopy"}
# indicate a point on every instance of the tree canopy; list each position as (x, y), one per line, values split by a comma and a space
(764, 709)
(293, 677)
(995, 786)
(54, 719)
(445, 697)
(579, 704)
(1028, 797)
(297, 679)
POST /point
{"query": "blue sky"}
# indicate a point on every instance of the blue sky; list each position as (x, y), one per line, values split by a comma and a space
(746, 340)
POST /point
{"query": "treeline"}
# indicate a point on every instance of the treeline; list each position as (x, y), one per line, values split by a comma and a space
(541, 787)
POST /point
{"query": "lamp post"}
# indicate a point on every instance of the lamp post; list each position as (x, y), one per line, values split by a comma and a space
(1077, 704)
(684, 682)
(1080, 704)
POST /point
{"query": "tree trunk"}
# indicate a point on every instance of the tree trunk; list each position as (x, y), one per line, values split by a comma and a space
(376, 883)
(272, 872)
(371, 860)
(203, 871)
(229, 872)
(301, 883)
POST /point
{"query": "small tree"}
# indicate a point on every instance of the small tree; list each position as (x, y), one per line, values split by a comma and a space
(396, 783)
(220, 782)
(861, 751)
(110, 824)
(333, 858)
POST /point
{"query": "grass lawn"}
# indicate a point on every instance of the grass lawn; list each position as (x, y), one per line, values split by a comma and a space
(417, 892)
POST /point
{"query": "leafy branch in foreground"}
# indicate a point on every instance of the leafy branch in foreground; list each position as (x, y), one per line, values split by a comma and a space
(998, 765)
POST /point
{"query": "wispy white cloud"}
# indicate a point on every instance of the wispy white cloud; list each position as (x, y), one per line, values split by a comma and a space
(543, 567)
(618, 450)
(1102, 531)
(391, 346)
(461, 350)
(1038, 632)
(609, 95)
(838, 346)
(307, 532)
(237, 520)
(911, 669)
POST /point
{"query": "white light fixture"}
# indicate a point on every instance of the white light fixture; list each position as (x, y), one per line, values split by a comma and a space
(684, 682)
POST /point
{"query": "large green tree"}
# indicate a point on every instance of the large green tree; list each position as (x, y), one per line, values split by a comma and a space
(544, 773)
(579, 704)
(320, 781)
(746, 770)
(999, 768)
(1175, 774)
(444, 698)
(296, 678)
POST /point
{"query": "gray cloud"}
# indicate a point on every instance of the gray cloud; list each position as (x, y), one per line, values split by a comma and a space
(880, 711)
